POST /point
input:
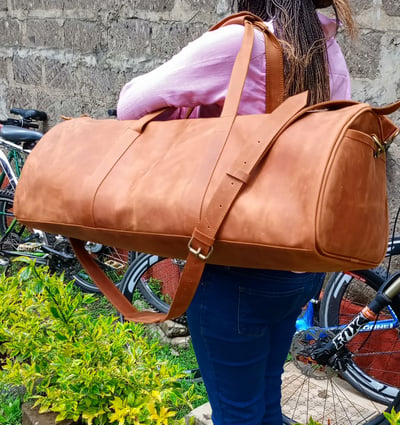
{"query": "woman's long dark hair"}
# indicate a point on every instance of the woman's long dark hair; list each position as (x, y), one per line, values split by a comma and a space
(299, 30)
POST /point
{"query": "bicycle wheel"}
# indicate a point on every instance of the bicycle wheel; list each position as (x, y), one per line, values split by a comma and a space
(16, 236)
(329, 396)
(155, 278)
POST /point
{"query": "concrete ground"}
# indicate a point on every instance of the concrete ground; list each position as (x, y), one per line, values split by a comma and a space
(342, 404)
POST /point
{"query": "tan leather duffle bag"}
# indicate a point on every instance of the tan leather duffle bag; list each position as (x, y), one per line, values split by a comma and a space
(297, 188)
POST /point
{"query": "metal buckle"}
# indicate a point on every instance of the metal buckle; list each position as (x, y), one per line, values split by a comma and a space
(381, 147)
(391, 139)
(197, 252)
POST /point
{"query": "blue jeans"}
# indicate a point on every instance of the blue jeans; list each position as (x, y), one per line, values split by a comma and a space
(242, 322)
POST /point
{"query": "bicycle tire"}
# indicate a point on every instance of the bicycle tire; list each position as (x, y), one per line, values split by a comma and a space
(18, 233)
(155, 278)
(111, 260)
(339, 398)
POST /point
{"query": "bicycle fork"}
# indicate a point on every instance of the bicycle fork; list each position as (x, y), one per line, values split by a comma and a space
(324, 352)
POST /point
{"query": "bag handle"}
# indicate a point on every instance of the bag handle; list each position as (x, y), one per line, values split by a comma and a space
(389, 131)
(200, 245)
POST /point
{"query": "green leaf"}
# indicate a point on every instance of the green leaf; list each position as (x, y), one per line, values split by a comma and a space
(61, 337)
(55, 312)
(38, 286)
(25, 274)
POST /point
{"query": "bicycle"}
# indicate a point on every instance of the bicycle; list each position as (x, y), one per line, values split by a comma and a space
(322, 319)
(54, 250)
(30, 118)
(22, 135)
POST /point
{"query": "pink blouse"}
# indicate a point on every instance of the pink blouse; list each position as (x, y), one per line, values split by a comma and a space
(199, 75)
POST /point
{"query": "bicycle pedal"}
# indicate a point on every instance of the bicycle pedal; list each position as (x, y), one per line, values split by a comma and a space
(116, 265)
(28, 246)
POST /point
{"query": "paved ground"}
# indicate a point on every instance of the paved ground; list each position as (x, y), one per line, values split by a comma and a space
(342, 404)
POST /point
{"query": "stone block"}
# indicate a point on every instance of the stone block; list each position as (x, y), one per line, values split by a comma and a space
(360, 5)
(79, 4)
(99, 82)
(60, 75)
(3, 97)
(33, 4)
(169, 38)
(154, 5)
(364, 56)
(27, 70)
(31, 416)
(3, 5)
(391, 7)
(82, 36)
(21, 98)
(201, 5)
(44, 33)
(201, 415)
(69, 105)
(130, 36)
(173, 329)
(3, 69)
(98, 107)
(10, 32)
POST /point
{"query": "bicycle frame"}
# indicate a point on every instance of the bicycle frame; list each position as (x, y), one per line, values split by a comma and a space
(7, 170)
(364, 321)
(5, 161)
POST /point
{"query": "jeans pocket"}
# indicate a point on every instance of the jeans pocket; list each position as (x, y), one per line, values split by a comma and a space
(258, 309)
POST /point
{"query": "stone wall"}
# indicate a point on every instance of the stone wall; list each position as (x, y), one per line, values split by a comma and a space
(69, 57)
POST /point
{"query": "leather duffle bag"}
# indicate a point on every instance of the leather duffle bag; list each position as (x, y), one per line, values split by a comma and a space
(296, 188)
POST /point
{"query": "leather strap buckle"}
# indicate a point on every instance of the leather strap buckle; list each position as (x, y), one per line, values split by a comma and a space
(380, 146)
(197, 252)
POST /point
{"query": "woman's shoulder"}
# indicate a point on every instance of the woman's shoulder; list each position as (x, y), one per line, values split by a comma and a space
(226, 41)
(329, 25)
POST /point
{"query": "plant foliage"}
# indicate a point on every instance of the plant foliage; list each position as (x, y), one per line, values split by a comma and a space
(98, 370)
(10, 407)
(392, 417)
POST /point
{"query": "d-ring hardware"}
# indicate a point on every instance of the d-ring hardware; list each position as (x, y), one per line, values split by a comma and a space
(380, 146)
(197, 252)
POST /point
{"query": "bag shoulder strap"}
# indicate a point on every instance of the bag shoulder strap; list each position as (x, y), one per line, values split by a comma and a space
(274, 78)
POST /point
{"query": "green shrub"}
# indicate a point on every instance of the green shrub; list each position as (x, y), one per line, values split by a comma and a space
(10, 407)
(95, 369)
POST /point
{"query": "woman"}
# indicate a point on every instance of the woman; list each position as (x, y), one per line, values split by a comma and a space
(242, 320)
